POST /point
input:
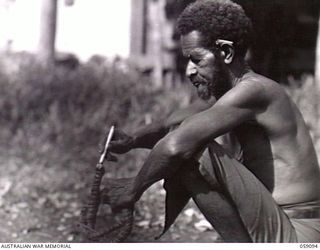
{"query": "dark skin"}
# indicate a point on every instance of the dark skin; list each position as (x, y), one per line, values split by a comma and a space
(279, 151)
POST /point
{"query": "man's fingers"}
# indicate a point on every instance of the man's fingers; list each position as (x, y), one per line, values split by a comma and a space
(111, 157)
(114, 145)
(118, 147)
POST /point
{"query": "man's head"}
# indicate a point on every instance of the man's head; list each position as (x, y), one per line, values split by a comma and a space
(217, 19)
(213, 33)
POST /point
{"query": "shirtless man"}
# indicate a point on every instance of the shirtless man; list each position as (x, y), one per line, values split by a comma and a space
(261, 183)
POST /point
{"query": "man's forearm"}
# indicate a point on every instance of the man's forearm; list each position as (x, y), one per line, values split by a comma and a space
(148, 136)
(160, 164)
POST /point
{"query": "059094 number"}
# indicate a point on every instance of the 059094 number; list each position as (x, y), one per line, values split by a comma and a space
(309, 246)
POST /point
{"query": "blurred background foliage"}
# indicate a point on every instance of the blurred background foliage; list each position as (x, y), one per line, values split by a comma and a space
(66, 113)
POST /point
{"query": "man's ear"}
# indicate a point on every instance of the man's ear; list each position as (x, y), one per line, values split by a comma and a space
(227, 53)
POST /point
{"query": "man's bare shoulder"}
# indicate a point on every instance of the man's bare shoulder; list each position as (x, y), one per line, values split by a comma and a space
(262, 83)
(253, 90)
(259, 82)
(257, 89)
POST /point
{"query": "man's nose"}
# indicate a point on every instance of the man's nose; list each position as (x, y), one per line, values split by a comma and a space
(191, 69)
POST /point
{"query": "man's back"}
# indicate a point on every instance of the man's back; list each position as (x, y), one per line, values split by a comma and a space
(277, 146)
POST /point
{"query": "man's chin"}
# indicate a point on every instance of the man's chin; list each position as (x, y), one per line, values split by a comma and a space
(203, 92)
(204, 95)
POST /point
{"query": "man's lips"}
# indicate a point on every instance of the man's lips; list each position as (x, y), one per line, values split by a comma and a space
(197, 84)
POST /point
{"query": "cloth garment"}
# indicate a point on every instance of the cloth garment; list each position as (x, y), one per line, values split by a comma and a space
(305, 218)
(264, 219)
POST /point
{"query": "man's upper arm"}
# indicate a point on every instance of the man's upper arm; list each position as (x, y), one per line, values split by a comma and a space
(178, 116)
(240, 104)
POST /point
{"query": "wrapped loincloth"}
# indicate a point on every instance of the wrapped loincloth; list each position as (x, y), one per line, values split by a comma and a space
(310, 210)
(305, 218)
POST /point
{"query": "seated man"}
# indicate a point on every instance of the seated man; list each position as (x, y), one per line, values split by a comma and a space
(263, 183)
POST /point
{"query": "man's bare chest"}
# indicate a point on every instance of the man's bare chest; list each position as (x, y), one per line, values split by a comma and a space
(256, 152)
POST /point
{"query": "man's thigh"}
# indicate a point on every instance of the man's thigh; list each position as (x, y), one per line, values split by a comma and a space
(263, 218)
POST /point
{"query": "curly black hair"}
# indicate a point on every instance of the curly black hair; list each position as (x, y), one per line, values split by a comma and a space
(217, 19)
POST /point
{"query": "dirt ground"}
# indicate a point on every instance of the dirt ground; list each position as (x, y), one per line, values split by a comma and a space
(41, 202)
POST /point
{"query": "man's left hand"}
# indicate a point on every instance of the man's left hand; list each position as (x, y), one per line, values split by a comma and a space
(117, 193)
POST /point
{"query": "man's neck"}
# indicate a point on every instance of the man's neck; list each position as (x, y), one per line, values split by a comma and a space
(237, 70)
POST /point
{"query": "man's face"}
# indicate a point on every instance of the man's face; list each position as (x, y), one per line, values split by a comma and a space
(205, 70)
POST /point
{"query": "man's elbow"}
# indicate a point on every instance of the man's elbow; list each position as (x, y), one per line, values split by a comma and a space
(174, 148)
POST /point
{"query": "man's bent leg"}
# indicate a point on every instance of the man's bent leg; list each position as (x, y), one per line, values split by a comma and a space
(217, 209)
(262, 217)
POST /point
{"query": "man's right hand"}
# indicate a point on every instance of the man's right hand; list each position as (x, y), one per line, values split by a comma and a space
(121, 143)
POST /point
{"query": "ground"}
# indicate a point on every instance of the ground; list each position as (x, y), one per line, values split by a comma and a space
(41, 202)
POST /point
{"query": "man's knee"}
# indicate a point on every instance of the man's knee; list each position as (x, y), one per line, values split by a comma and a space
(188, 171)
(192, 179)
